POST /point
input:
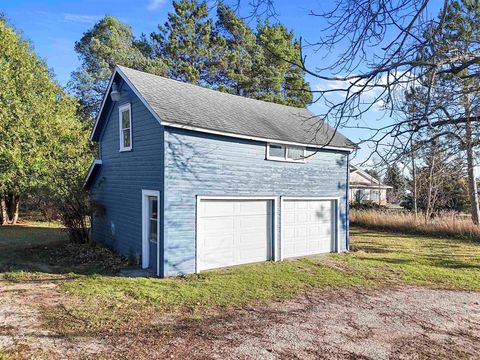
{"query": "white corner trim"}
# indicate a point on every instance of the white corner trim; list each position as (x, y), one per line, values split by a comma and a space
(198, 228)
(335, 199)
(90, 171)
(121, 109)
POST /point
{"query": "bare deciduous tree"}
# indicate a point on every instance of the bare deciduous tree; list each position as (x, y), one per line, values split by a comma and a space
(386, 47)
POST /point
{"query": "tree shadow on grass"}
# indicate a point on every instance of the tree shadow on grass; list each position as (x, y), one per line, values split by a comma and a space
(44, 249)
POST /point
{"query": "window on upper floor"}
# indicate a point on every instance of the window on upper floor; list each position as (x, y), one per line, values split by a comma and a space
(281, 152)
(125, 125)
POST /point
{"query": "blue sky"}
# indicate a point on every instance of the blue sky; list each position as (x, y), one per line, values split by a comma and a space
(53, 26)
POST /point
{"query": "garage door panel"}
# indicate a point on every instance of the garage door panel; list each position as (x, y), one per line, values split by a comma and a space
(301, 217)
(288, 206)
(218, 225)
(253, 239)
(307, 227)
(316, 231)
(288, 234)
(219, 259)
(252, 222)
(217, 208)
(289, 218)
(253, 207)
(300, 231)
(217, 241)
(300, 205)
(252, 253)
(233, 232)
(300, 248)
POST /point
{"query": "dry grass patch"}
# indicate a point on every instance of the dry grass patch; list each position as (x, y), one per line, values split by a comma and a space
(445, 226)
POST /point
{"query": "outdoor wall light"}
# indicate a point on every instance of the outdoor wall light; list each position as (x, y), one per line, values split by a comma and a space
(115, 94)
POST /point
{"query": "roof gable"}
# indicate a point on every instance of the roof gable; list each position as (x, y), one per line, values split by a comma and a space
(178, 104)
(361, 177)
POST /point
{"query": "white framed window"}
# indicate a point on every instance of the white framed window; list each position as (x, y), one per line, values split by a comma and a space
(125, 126)
(153, 218)
(281, 152)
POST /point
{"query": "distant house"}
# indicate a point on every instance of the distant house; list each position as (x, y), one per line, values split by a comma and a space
(191, 179)
(365, 188)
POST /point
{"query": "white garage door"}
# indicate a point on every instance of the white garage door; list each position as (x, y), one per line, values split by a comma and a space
(233, 232)
(308, 227)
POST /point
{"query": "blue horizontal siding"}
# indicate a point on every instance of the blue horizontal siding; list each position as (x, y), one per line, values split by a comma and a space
(193, 164)
(203, 164)
(118, 186)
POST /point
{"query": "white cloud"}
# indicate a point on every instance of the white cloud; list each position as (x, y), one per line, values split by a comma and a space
(82, 18)
(155, 4)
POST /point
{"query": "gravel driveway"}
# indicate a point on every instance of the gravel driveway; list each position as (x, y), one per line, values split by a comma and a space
(403, 323)
(400, 323)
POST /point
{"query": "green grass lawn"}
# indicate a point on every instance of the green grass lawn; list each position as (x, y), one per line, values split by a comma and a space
(14, 239)
(98, 296)
(416, 260)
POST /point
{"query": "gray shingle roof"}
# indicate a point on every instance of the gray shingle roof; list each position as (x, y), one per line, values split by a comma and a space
(185, 104)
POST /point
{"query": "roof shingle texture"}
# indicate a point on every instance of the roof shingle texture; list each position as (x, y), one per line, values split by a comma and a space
(186, 104)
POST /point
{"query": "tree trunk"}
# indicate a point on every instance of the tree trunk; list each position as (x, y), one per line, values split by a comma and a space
(11, 208)
(3, 210)
(414, 192)
(430, 204)
(472, 183)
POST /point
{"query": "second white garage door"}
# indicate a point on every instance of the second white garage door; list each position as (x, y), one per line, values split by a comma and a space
(233, 232)
(308, 227)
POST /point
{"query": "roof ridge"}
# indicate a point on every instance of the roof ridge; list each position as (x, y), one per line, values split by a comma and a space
(270, 103)
(178, 104)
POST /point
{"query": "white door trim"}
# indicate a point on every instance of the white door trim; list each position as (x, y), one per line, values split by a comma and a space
(336, 201)
(198, 228)
(145, 240)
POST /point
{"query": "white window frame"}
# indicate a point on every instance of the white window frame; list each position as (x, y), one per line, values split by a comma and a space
(284, 158)
(121, 109)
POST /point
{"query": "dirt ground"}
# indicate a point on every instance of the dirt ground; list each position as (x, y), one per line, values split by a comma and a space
(399, 323)
(22, 331)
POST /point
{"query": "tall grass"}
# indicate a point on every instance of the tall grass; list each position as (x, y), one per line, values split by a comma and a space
(447, 225)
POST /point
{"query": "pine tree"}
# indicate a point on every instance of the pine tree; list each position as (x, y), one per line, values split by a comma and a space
(242, 55)
(396, 180)
(260, 64)
(461, 33)
(108, 43)
(228, 56)
(280, 80)
(188, 42)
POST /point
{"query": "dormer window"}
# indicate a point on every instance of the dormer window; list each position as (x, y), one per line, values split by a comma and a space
(125, 125)
(281, 152)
